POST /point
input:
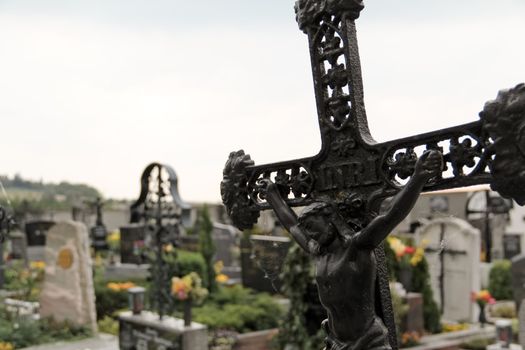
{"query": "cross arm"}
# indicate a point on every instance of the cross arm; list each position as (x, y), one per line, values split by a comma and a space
(427, 166)
(491, 150)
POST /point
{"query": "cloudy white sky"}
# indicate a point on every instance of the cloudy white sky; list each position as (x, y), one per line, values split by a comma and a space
(94, 90)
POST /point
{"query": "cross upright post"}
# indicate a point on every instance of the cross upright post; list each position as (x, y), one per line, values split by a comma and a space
(352, 174)
(162, 211)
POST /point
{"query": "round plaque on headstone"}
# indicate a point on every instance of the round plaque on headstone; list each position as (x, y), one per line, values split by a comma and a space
(65, 258)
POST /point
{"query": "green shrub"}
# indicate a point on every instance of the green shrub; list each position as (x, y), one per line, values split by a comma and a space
(239, 309)
(296, 276)
(204, 227)
(477, 344)
(108, 325)
(23, 332)
(421, 284)
(192, 262)
(500, 280)
(108, 301)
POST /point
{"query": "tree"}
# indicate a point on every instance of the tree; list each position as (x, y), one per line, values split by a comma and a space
(204, 227)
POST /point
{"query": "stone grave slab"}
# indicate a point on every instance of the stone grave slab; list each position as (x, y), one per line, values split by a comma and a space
(146, 332)
(511, 245)
(453, 254)
(36, 232)
(518, 278)
(262, 258)
(132, 239)
(67, 291)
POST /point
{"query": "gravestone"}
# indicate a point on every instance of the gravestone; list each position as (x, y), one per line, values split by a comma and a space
(413, 321)
(224, 238)
(36, 232)
(453, 253)
(146, 332)
(227, 245)
(521, 321)
(511, 245)
(18, 249)
(132, 242)
(518, 278)
(261, 261)
(67, 291)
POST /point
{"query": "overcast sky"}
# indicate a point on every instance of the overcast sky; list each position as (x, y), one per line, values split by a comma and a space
(94, 90)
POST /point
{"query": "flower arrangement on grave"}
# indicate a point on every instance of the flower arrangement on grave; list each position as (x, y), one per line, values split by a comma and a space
(482, 298)
(407, 255)
(410, 339)
(407, 264)
(220, 277)
(189, 290)
(6, 346)
(120, 286)
(454, 327)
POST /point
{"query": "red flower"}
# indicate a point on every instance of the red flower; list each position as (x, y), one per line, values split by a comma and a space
(410, 250)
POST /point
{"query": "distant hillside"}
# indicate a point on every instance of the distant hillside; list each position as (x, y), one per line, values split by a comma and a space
(37, 195)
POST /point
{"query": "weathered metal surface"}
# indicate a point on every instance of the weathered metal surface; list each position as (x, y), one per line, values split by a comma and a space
(162, 210)
(352, 165)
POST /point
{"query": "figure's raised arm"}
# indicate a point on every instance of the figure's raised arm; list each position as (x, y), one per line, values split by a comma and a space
(428, 166)
(288, 218)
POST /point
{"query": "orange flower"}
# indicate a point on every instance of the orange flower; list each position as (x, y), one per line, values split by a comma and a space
(120, 286)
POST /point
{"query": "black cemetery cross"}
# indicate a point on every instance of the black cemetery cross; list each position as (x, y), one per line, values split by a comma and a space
(99, 231)
(162, 210)
(345, 183)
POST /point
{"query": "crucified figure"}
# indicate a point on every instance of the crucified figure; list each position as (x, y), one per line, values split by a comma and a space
(343, 248)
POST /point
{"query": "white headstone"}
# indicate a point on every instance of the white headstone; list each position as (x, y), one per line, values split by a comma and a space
(453, 249)
(68, 291)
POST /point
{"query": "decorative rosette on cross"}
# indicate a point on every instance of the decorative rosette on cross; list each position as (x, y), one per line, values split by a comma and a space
(234, 191)
(504, 120)
(309, 12)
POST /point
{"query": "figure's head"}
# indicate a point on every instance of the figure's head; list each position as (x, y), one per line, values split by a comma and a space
(316, 223)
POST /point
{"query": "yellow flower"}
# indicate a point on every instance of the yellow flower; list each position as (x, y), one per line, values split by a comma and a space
(418, 256)
(222, 278)
(218, 266)
(120, 286)
(397, 246)
(6, 346)
(113, 237)
(37, 265)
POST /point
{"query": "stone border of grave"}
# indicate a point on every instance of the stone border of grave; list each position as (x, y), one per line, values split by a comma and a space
(260, 340)
(452, 340)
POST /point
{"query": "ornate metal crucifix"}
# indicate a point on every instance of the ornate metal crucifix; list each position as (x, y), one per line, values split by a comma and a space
(352, 173)
(162, 210)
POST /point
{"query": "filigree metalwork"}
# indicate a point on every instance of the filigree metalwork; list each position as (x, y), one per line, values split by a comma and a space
(308, 12)
(235, 193)
(162, 211)
(352, 165)
(504, 121)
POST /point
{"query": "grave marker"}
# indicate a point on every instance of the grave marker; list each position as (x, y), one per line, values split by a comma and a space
(518, 278)
(68, 292)
(452, 253)
(351, 164)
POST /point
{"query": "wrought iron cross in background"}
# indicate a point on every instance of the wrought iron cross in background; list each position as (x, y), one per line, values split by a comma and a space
(162, 210)
(490, 150)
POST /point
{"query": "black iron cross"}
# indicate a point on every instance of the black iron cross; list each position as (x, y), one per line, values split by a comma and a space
(490, 150)
(161, 209)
